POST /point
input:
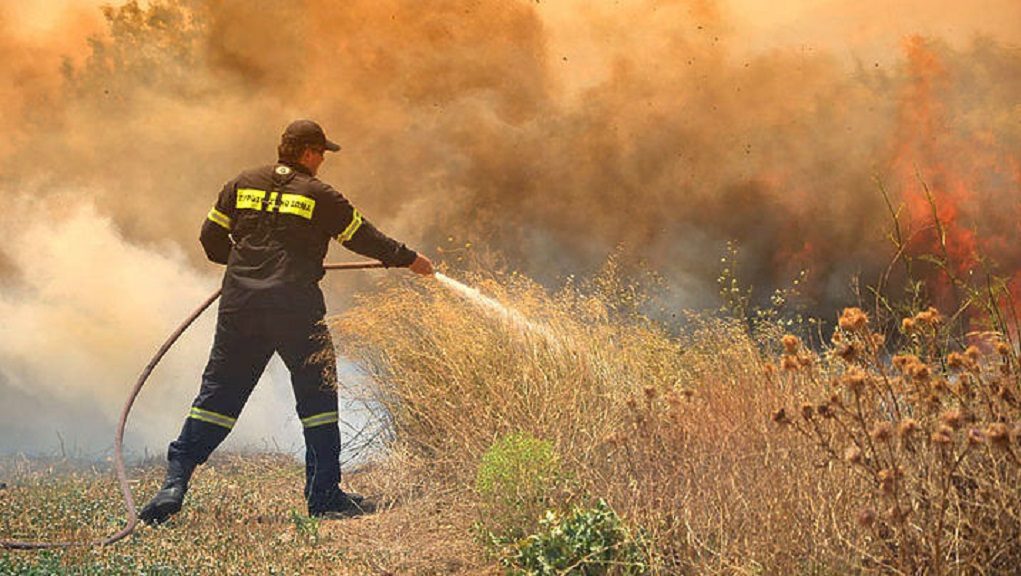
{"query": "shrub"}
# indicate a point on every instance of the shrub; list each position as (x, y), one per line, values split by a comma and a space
(590, 541)
(513, 481)
(932, 437)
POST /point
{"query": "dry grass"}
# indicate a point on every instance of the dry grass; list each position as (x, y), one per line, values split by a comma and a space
(906, 466)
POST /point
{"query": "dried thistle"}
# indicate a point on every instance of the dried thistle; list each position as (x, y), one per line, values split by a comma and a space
(852, 455)
(855, 379)
(1002, 348)
(807, 411)
(907, 325)
(907, 428)
(791, 343)
(930, 317)
(952, 418)
(853, 319)
(975, 436)
(998, 434)
(942, 436)
(867, 518)
(789, 363)
(881, 432)
(780, 417)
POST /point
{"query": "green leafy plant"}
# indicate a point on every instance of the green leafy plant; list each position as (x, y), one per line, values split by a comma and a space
(589, 541)
(307, 527)
(514, 479)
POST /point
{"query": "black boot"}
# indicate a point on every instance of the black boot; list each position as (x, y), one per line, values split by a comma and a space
(168, 500)
(322, 477)
(337, 504)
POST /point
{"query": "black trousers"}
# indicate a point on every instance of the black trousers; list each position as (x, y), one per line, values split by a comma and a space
(243, 345)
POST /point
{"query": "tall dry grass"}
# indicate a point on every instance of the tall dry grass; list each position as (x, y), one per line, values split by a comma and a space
(674, 431)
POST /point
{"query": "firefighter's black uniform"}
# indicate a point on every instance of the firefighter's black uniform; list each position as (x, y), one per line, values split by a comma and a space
(271, 226)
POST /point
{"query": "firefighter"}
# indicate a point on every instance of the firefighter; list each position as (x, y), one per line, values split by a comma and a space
(271, 226)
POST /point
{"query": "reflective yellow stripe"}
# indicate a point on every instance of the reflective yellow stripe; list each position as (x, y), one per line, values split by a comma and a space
(297, 204)
(349, 232)
(217, 217)
(212, 417)
(320, 419)
(250, 198)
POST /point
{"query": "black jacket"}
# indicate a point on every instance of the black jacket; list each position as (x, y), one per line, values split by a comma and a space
(272, 226)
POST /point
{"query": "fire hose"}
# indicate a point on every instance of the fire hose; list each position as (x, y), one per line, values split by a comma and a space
(118, 445)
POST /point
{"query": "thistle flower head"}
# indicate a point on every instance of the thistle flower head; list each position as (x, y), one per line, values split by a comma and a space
(807, 411)
(791, 343)
(780, 417)
(952, 418)
(852, 454)
(855, 380)
(975, 436)
(942, 436)
(1002, 348)
(907, 427)
(929, 317)
(998, 434)
(881, 432)
(852, 319)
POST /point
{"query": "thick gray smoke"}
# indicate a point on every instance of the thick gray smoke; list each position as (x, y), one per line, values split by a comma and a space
(545, 135)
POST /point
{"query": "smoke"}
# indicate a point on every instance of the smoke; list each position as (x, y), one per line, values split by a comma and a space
(544, 136)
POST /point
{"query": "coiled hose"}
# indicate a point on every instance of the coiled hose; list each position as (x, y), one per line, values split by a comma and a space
(118, 443)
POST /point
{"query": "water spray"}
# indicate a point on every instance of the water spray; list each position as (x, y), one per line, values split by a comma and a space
(498, 310)
(122, 477)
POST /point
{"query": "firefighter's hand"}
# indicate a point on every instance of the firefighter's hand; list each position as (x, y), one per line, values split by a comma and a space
(423, 266)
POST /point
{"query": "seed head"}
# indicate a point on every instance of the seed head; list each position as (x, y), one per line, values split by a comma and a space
(930, 317)
(943, 435)
(975, 436)
(1002, 348)
(780, 417)
(887, 479)
(998, 434)
(956, 360)
(789, 362)
(791, 343)
(867, 518)
(882, 432)
(907, 428)
(907, 325)
(852, 455)
(807, 411)
(855, 380)
(952, 418)
(852, 319)
(919, 371)
(973, 353)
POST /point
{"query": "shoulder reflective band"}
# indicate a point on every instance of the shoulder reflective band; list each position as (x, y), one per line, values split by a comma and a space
(320, 419)
(217, 217)
(212, 417)
(295, 204)
(349, 232)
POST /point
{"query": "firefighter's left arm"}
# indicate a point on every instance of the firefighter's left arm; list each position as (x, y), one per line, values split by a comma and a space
(215, 235)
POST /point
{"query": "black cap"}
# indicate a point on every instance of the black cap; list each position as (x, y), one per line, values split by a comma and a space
(308, 132)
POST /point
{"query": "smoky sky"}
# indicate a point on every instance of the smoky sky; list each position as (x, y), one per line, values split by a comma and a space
(540, 137)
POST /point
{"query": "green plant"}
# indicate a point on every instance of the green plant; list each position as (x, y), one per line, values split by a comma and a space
(589, 541)
(307, 527)
(514, 478)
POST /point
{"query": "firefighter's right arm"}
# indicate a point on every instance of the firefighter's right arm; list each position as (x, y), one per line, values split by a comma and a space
(343, 222)
(215, 235)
